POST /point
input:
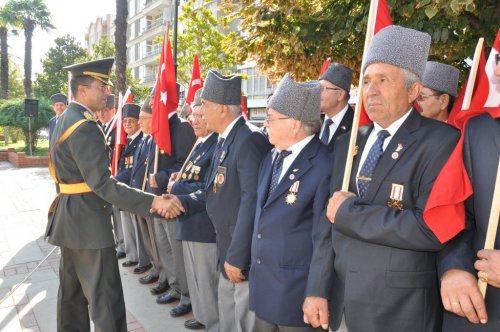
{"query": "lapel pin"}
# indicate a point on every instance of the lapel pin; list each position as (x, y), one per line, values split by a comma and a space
(343, 127)
(400, 147)
(291, 177)
(395, 155)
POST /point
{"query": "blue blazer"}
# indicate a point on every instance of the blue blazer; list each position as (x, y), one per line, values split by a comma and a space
(230, 201)
(127, 160)
(481, 152)
(182, 139)
(282, 242)
(196, 227)
(139, 168)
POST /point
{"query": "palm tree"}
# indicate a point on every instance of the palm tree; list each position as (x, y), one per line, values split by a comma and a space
(29, 14)
(121, 45)
(6, 19)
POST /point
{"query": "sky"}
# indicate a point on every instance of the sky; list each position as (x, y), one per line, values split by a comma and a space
(69, 17)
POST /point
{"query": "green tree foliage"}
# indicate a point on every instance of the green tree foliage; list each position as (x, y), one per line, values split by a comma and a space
(54, 78)
(205, 35)
(12, 114)
(296, 36)
(16, 89)
(105, 48)
(29, 14)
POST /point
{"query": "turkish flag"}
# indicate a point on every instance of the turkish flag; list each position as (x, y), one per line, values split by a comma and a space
(121, 135)
(165, 99)
(382, 19)
(445, 212)
(196, 81)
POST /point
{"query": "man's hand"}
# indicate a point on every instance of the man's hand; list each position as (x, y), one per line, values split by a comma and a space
(488, 266)
(173, 176)
(316, 312)
(168, 206)
(233, 273)
(460, 295)
(334, 203)
(152, 181)
(170, 185)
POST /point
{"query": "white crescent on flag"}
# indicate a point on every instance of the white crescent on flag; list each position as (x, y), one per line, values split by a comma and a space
(195, 82)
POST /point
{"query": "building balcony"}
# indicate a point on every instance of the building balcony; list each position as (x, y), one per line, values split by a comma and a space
(149, 78)
(154, 24)
(153, 52)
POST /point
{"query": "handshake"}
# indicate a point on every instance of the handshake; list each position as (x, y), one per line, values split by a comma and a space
(168, 206)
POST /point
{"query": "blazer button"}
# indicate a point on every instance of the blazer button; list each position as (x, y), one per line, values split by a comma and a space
(258, 261)
(259, 236)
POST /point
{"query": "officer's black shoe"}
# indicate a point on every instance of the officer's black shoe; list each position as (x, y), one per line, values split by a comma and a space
(142, 269)
(159, 288)
(166, 298)
(193, 324)
(120, 255)
(180, 310)
(148, 279)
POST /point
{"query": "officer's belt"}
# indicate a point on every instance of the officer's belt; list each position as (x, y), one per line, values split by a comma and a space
(68, 188)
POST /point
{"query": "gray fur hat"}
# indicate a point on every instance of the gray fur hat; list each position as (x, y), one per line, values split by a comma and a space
(197, 98)
(339, 75)
(146, 107)
(401, 47)
(223, 90)
(441, 77)
(299, 101)
(131, 111)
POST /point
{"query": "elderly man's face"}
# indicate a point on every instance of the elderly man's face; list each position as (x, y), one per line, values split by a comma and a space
(199, 122)
(211, 113)
(59, 108)
(131, 125)
(145, 122)
(331, 98)
(433, 103)
(279, 128)
(385, 96)
(105, 115)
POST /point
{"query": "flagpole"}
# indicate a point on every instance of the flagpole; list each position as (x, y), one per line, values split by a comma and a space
(370, 28)
(119, 123)
(472, 75)
(492, 226)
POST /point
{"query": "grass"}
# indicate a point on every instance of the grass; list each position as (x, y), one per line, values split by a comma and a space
(42, 148)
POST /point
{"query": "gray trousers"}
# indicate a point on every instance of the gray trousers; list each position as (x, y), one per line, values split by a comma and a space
(145, 227)
(171, 255)
(262, 325)
(86, 287)
(200, 260)
(134, 246)
(118, 229)
(234, 312)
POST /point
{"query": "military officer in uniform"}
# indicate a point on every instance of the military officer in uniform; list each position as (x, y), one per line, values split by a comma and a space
(134, 249)
(59, 103)
(463, 261)
(196, 230)
(80, 216)
(230, 195)
(439, 90)
(291, 194)
(375, 256)
(335, 85)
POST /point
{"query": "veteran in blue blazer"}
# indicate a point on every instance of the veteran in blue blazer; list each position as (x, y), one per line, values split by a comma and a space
(291, 194)
(230, 195)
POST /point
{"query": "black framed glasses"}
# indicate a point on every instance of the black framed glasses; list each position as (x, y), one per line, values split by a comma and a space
(324, 88)
(269, 119)
(424, 96)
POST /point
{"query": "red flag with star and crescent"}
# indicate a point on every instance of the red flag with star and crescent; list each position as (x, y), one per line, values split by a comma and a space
(196, 82)
(445, 212)
(165, 99)
(121, 135)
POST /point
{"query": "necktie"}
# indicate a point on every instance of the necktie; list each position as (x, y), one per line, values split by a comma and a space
(216, 155)
(325, 137)
(129, 140)
(277, 167)
(365, 175)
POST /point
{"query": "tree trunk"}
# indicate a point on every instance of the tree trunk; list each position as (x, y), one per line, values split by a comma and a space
(4, 63)
(29, 26)
(121, 45)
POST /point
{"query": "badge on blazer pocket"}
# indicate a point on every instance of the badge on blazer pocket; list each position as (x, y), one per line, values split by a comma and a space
(220, 177)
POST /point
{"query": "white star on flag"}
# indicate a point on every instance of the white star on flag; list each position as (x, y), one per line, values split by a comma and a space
(163, 97)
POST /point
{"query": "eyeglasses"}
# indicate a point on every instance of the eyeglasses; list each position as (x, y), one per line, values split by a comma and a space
(423, 96)
(142, 117)
(102, 87)
(324, 88)
(268, 119)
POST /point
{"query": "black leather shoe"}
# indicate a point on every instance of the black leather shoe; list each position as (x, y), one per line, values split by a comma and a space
(120, 255)
(159, 288)
(142, 269)
(148, 279)
(166, 298)
(193, 324)
(180, 310)
(129, 264)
